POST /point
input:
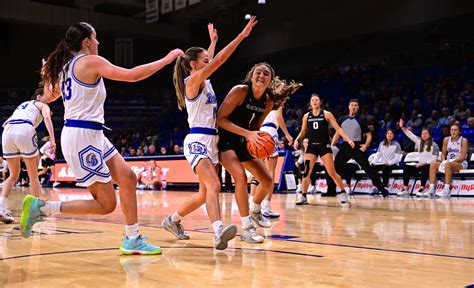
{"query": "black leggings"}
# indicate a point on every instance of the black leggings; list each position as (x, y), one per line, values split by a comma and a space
(410, 170)
(386, 170)
(346, 152)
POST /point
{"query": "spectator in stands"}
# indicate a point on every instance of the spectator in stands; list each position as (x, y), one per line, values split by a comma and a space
(151, 150)
(163, 151)
(281, 145)
(428, 152)
(140, 152)
(47, 161)
(415, 121)
(124, 152)
(151, 178)
(462, 112)
(453, 159)
(433, 121)
(388, 156)
(177, 150)
(469, 123)
(387, 123)
(445, 117)
(132, 152)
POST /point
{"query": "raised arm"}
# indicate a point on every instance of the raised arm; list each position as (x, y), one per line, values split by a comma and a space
(282, 124)
(330, 118)
(304, 130)
(195, 80)
(213, 36)
(408, 133)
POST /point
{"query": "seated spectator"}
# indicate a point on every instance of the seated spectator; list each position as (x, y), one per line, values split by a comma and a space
(177, 150)
(462, 112)
(281, 145)
(4, 168)
(469, 123)
(140, 152)
(415, 121)
(151, 150)
(387, 123)
(132, 152)
(151, 178)
(428, 153)
(453, 159)
(388, 156)
(47, 161)
(163, 151)
(433, 121)
(445, 117)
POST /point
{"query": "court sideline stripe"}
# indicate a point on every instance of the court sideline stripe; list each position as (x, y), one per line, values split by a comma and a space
(166, 247)
(317, 243)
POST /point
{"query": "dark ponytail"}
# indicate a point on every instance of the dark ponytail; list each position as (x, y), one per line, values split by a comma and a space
(55, 62)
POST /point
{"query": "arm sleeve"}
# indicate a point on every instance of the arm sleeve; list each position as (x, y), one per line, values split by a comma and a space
(411, 136)
(396, 156)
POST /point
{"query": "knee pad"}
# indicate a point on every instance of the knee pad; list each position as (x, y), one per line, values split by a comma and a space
(254, 182)
(306, 168)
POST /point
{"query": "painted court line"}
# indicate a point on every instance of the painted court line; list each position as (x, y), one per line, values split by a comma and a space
(166, 247)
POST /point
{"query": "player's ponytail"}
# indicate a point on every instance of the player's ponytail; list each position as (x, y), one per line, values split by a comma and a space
(181, 71)
(179, 74)
(280, 90)
(72, 42)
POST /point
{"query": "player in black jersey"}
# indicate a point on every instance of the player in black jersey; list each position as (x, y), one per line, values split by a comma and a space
(239, 119)
(316, 125)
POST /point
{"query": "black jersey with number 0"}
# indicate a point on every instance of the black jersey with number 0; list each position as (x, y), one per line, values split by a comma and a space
(318, 128)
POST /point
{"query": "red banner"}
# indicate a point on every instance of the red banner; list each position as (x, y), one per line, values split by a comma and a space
(176, 171)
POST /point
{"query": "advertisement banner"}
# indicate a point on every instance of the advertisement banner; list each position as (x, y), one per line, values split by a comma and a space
(467, 188)
(364, 186)
(176, 171)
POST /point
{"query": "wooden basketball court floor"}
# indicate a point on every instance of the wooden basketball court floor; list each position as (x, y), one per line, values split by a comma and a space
(373, 243)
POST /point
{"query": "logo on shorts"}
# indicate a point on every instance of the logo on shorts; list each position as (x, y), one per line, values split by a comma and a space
(35, 141)
(91, 159)
(197, 148)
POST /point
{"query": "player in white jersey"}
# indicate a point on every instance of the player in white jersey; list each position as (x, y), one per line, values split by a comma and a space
(19, 140)
(453, 159)
(195, 93)
(75, 72)
(271, 123)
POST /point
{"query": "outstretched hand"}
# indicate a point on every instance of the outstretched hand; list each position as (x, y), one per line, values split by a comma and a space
(400, 123)
(248, 28)
(212, 32)
(173, 54)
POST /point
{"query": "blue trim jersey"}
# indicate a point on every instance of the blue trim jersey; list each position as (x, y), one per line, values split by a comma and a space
(202, 110)
(28, 112)
(82, 101)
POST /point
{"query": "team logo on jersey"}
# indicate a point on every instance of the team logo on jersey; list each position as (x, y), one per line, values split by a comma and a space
(197, 148)
(211, 98)
(91, 159)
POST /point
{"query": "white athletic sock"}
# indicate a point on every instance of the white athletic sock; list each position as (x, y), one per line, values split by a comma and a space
(246, 222)
(175, 217)
(250, 199)
(131, 231)
(217, 226)
(3, 202)
(51, 208)
(254, 207)
(265, 204)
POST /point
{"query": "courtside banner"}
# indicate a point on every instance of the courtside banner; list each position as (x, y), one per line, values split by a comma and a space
(176, 170)
(364, 186)
(467, 188)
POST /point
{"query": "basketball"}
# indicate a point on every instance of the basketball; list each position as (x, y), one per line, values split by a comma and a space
(263, 151)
